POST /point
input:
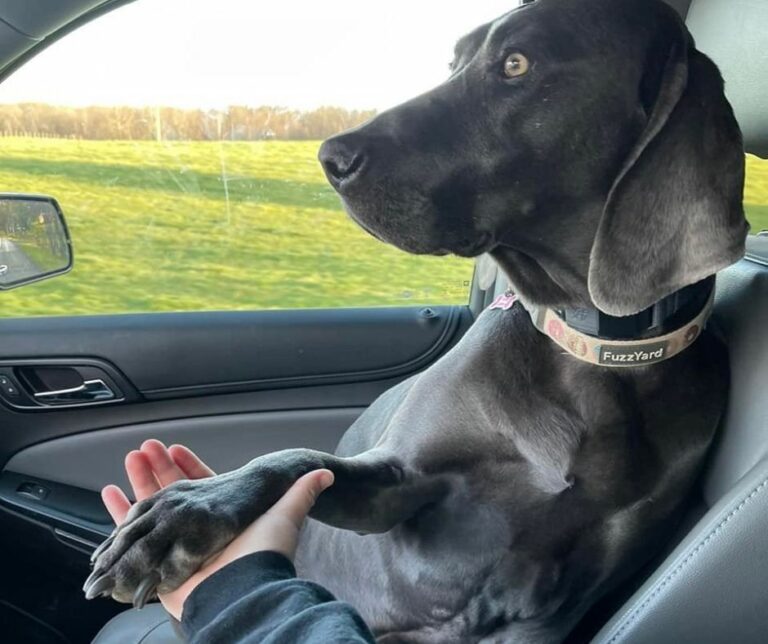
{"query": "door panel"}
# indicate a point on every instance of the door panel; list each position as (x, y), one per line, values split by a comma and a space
(55, 484)
(75, 517)
(173, 355)
(229, 385)
(197, 365)
(91, 461)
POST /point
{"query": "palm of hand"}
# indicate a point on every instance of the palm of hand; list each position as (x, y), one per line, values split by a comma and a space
(155, 467)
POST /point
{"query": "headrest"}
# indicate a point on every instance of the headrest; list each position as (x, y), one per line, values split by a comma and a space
(681, 6)
(734, 33)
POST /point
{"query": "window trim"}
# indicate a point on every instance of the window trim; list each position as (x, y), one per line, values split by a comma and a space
(29, 53)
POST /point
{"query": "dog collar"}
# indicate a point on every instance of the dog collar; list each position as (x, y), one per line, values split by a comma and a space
(608, 352)
(646, 323)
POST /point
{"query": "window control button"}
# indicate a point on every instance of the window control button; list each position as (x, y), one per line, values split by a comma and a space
(8, 387)
(33, 491)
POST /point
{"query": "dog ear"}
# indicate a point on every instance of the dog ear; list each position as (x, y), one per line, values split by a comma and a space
(674, 214)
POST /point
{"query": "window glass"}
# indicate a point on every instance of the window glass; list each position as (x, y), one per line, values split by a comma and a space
(181, 142)
(185, 159)
(756, 193)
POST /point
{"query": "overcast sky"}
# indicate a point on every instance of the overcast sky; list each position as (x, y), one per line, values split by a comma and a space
(295, 53)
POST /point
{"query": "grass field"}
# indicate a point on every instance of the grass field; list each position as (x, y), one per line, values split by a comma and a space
(156, 228)
(756, 193)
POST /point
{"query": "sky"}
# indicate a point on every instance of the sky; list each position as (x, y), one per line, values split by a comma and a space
(358, 54)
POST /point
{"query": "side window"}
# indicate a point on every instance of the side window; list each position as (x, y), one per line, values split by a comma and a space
(181, 143)
(756, 193)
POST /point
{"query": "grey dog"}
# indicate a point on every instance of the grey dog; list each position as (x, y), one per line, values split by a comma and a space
(589, 148)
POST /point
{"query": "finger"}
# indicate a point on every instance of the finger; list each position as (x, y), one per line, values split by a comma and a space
(165, 470)
(116, 502)
(140, 475)
(298, 501)
(189, 462)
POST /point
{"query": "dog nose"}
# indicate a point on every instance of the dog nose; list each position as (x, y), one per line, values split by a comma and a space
(341, 160)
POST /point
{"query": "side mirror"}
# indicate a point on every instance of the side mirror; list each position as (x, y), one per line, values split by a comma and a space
(34, 240)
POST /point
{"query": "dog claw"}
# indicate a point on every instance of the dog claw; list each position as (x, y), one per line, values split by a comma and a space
(104, 545)
(88, 581)
(146, 590)
(100, 586)
(95, 574)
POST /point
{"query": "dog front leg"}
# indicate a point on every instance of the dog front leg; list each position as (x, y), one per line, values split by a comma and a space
(167, 537)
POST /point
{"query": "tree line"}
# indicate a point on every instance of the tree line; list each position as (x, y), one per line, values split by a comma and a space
(236, 123)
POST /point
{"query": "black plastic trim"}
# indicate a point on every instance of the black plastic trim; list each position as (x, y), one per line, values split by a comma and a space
(174, 355)
(399, 369)
(43, 43)
(70, 510)
(17, 30)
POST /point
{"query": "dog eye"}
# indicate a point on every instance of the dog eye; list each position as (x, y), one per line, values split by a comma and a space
(516, 65)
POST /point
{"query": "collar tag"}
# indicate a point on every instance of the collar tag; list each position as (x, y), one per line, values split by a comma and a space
(610, 355)
(504, 302)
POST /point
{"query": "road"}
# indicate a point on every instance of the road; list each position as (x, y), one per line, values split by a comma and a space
(19, 265)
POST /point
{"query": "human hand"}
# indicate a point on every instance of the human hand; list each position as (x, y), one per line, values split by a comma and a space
(154, 467)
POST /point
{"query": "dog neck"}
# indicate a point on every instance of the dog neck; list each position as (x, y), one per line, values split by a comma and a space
(657, 334)
(545, 276)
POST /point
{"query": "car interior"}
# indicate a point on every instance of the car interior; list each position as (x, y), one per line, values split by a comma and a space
(234, 385)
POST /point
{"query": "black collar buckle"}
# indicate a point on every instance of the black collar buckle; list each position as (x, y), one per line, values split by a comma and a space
(651, 321)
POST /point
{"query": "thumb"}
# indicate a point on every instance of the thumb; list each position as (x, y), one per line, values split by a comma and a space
(299, 499)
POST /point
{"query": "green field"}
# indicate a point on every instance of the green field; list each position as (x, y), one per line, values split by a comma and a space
(156, 228)
(756, 193)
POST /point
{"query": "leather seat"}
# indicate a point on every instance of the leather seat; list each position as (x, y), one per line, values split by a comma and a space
(150, 625)
(711, 588)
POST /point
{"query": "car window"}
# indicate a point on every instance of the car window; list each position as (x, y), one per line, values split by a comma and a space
(185, 160)
(181, 144)
(756, 193)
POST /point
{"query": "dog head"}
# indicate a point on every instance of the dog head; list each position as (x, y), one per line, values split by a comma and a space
(586, 144)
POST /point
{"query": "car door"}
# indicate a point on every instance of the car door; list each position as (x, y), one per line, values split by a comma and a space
(220, 298)
(229, 385)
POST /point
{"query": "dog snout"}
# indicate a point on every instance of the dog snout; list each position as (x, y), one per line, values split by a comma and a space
(342, 159)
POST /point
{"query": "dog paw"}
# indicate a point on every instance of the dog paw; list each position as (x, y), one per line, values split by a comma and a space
(164, 540)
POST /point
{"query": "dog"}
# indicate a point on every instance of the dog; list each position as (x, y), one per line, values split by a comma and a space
(588, 147)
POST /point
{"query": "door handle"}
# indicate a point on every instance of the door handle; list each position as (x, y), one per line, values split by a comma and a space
(55, 384)
(95, 390)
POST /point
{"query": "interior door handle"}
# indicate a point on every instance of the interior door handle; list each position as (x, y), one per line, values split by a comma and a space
(95, 390)
(60, 383)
